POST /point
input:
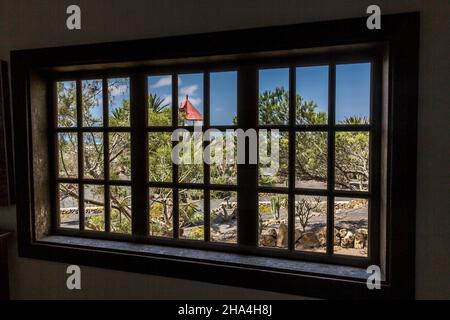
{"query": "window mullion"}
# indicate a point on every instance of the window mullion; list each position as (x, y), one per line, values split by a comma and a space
(291, 175)
(139, 148)
(79, 99)
(331, 152)
(107, 208)
(176, 212)
(247, 173)
(206, 167)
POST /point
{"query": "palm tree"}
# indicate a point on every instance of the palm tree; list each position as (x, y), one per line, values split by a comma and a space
(355, 120)
(156, 103)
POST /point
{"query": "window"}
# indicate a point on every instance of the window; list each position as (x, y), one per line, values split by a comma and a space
(323, 144)
(314, 159)
(94, 154)
(324, 190)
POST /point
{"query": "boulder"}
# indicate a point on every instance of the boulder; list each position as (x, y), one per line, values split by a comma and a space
(361, 238)
(348, 241)
(269, 239)
(337, 239)
(322, 236)
(342, 233)
(308, 240)
(272, 232)
(282, 237)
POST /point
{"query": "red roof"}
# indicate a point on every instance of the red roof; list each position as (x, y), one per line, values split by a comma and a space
(191, 112)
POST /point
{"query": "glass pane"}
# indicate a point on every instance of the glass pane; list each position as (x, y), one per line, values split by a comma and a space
(223, 158)
(353, 93)
(160, 100)
(223, 216)
(161, 212)
(274, 96)
(94, 207)
(160, 156)
(119, 102)
(351, 221)
(223, 98)
(311, 160)
(273, 158)
(273, 220)
(311, 223)
(68, 155)
(120, 206)
(352, 161)
(191, 206)
(68, 206)
(312, 95)
(190, 97)
(190, 158)
(67, 103)
(119, 156)
(92, 102)
(93, 155)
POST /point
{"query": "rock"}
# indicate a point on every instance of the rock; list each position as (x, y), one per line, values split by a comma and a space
(272, 232)
(348, 241)
(361, 238)
(359, 244)
(342, 233)
(308, 240)
(322, 236)
(269, 239)
(337, 239)
(282, 238)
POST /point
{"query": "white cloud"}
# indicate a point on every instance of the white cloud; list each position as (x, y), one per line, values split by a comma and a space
(162, 82)
(195, 101)
(189, 90)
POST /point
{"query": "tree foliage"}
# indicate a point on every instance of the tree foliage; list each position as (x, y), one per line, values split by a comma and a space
(351, 156)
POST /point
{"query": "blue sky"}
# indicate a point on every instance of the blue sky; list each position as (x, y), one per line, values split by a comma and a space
(119, 91)
(223, 94)
(312, 84)
(352, 90)
(352, 86)
(223, 97)
(269, 79)
(191, 85)
(162, 87)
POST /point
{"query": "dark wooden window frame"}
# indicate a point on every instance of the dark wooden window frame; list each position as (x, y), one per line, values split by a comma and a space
(397, 47)
(139, 168)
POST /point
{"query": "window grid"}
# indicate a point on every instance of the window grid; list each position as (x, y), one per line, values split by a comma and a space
(330, 192)
(292, 128)
(80, 129)
(175, 183)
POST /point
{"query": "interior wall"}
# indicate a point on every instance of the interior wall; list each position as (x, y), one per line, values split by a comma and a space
(41, 23)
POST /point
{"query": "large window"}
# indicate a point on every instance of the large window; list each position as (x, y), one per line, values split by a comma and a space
(327, 113)
(315, 132)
